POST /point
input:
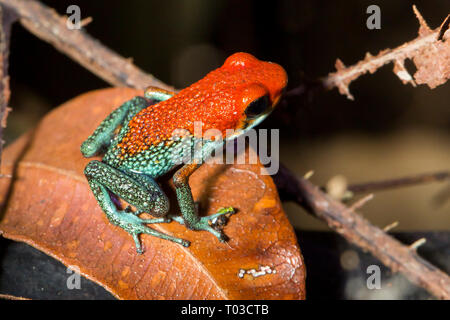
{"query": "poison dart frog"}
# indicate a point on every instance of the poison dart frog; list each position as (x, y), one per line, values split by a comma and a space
(139, 145)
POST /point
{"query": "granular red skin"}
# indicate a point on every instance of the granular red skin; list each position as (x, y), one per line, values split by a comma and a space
(218, 101)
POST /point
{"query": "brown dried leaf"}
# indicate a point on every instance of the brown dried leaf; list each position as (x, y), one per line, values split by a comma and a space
(430, 52)
(48, 204)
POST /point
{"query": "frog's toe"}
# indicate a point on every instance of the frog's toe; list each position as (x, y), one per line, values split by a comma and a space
(157, 220)
(137, 243)
(158, 234)
(214, 223)
(152, 232)
(217, 233)
(134, 225)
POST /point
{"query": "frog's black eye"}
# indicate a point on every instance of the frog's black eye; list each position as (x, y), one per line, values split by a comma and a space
(257, 107)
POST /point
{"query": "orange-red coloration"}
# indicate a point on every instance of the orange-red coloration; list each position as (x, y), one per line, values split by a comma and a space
(218, 101)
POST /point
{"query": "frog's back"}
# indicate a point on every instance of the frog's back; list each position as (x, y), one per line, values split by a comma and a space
(158, 122)
(146, 144)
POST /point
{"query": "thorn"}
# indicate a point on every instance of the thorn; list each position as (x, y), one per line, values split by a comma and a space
(343, 89)
(5, 116)
(308, 175)
(361, 202)
(443, 28)
(423, 24)
(416, 244)
(391, 226)
(339, 65)
(86, 21)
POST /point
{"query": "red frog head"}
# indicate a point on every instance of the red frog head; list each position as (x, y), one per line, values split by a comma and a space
(256, 86)
(238, 95)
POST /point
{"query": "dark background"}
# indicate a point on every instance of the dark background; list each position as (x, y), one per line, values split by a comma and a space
(390, 130)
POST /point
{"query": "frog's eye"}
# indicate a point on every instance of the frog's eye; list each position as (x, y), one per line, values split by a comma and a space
(257, 107)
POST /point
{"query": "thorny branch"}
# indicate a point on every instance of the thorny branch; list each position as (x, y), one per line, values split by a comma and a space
(49, 26)
(357, 230)
(430, 52)
(6, 20)
(11, 297)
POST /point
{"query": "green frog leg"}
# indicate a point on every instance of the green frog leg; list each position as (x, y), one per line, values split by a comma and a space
(102, 137)
(190, 216)
(140, 191)
(136, 190)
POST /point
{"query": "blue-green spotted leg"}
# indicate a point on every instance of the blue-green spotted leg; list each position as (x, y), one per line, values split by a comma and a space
(103, 136)
(190, 216)
(141, 192)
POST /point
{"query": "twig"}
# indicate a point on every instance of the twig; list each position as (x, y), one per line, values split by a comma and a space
(6, 20)
(11, 297)
(444, 27)
(342, 78)
(46, 24)
(362, 233)
(399, 182)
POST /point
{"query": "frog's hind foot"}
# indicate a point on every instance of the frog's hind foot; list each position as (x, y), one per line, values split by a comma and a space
(213, 223)
(131, 223)
(220, 219)
(141, 192)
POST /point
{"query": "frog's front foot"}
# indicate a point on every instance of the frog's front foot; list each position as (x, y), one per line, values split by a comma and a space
(131, 223)
(213, 223)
